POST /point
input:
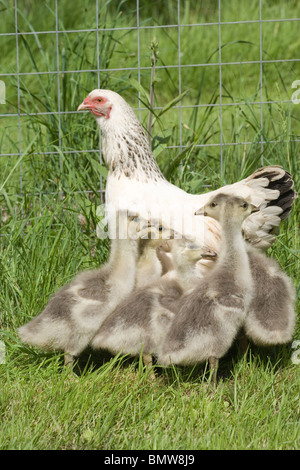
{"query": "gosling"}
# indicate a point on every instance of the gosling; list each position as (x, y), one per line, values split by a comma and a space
(141, 321)
(75, 313)
(186, 257)
(149, 265)
(271, 318)
(209, 318)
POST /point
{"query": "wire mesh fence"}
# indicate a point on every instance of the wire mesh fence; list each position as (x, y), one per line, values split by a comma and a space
(221, 51)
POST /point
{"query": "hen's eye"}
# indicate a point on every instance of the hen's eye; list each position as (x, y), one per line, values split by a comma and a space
(160, 228)
(99, 100)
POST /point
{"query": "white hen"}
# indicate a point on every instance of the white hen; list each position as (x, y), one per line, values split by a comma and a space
(135, 182)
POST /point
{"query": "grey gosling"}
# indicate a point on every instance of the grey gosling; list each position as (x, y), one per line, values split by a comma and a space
(149, 266)
(186, 256)
(209, 318)
(141, 321)
(165, 258)
(271, 317)
(74, 314)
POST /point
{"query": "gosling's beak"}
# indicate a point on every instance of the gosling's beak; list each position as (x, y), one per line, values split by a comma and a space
(176, 235)
(84, 105)
(208, 254)
(164, 247)
(200, 211)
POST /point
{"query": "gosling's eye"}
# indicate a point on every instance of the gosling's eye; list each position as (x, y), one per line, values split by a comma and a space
(213, 204)
(160, 228)
(245, 205)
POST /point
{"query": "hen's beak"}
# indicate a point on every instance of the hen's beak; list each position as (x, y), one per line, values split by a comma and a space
(84, 105)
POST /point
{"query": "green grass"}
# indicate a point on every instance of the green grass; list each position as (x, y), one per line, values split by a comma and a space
(48, 231)
(117, 406)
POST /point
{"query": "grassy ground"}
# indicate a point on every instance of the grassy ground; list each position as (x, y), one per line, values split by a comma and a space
(48, 231)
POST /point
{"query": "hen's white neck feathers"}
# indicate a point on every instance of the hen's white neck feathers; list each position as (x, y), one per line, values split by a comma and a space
(126, 148)
(127, 153)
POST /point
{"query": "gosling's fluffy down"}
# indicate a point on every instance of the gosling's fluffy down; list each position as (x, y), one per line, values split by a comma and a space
(207, 322)
(141, 321)
(149, 265)
(271, 317)
(74, 314)
(211, 315)
(186, 256)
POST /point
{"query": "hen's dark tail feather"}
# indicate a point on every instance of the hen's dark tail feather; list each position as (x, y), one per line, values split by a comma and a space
(274, 195)
(282, 181)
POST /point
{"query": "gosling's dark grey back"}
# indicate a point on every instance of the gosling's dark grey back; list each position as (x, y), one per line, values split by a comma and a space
(273, 293)
(134, 310)
(195, 311)
(170, 294)
(95, 284)
(59, 305)
(94, 287)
